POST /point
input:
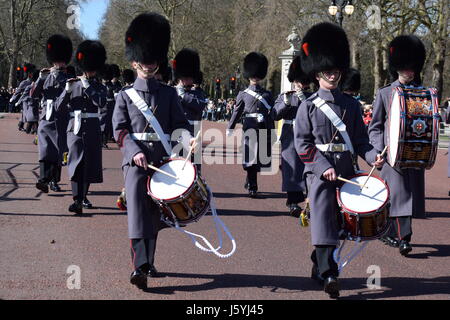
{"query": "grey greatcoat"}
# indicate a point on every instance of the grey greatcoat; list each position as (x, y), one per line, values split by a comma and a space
(291, 165)
(193, 103)
(313, 127)
(253, 131)
(52, 132)
(30, 105)
(407, 186)
(143, 213)
(86, 145)
(18, 94)
(447, 121)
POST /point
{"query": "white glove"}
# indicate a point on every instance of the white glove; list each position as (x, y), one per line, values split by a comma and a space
(229, 132)
(17, 104)
(84, 82)
(287, 98)
(181, 91)
(43, 74)
(69, 86)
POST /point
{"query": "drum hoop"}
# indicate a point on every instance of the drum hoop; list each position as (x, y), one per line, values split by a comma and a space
(401, 129)
(368, 213)
(188, 190)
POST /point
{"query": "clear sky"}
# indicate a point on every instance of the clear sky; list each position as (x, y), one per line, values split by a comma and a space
(91, 15)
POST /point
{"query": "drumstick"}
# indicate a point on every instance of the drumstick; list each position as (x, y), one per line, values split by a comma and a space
(373, 168)
(191, 149)
(349, 181)
(161, 171)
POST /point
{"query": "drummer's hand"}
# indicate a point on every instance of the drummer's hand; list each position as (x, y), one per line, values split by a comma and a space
(379, 162)
(140, 160)
(193, 143)
(330, 174)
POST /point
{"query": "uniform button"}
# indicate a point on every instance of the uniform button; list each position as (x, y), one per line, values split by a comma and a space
(151, 144)
(338, 156)
(336, 138)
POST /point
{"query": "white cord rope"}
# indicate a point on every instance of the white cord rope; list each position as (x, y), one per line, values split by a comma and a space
(350, 256)
(219, 225)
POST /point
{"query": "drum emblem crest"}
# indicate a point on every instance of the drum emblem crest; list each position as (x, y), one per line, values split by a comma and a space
(419, 126)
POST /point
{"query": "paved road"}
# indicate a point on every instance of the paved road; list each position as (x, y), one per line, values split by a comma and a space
(40, 240)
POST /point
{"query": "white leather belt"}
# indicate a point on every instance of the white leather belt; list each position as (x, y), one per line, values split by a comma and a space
(332, 147)
(254, 115)
(192, 122)
(147, 136)
(86, 115)
(289, 122)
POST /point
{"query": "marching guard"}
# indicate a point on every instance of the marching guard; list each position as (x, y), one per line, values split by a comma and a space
(15, 99)
(145, 116)
(186, 68)
(82, 99)
(406, 60)
(328, 151)
(286, 107)
(254, 104)
(52, 124)
(30, 106)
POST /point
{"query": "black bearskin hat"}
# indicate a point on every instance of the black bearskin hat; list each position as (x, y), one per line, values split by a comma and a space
(351, 81)
(255, 65)
(106, 72)
(59, 49)
(165, 70)
(147, 38)
(115, 70)
(91, 56)
(28, 69)
(186, 64)
(296, 73)
(199, 79)
(71, 72)
(406, 52)
(35, 75)
(324, 47)
(128, 76)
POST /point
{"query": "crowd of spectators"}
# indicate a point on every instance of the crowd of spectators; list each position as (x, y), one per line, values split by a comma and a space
(5, 96)
(220, 110)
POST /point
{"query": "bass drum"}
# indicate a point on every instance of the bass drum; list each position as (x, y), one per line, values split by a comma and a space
(413, 133)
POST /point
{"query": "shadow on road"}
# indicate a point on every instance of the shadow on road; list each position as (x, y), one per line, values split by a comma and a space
(393, 287)
(440, 250)
(397, 287)
(438, 214)
(275, 284)
(236, 212)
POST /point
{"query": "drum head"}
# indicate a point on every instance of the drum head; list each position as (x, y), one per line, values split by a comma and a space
(368, 200)
(394, 129)
(164, 187)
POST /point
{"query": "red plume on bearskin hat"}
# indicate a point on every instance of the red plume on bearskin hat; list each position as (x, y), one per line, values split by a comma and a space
(59, 49)
(147, 39)
(255, 65)
(90, 56)
(324, 47)
(406, 52)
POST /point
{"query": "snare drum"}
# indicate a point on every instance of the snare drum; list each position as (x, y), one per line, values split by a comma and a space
(364, 212)
(413, 133)
(182, 200)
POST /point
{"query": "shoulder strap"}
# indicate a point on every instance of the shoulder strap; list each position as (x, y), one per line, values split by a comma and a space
(148, 114)
(259, 97)
(335, 120)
